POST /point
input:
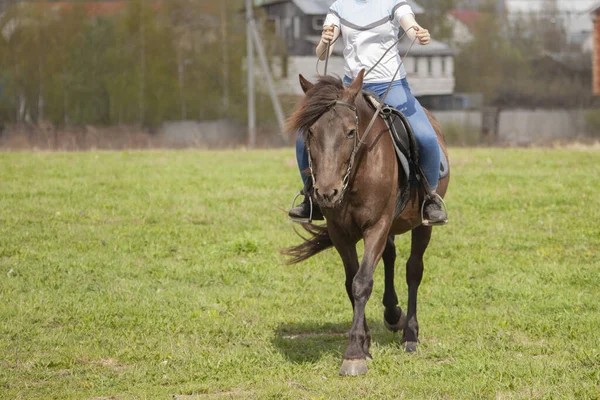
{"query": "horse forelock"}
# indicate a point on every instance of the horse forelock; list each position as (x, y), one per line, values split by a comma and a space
(315, 103)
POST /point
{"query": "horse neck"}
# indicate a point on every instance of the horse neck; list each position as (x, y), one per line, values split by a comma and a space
(365, 114)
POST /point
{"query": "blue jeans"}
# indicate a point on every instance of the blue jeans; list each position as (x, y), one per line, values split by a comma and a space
(401, 98)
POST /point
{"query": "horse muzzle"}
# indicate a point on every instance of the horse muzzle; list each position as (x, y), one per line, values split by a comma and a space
(328, 195)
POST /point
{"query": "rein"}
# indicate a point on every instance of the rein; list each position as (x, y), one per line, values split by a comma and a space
(358, 141)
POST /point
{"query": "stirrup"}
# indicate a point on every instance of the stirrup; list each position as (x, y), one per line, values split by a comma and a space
(426, 222)
(302, 220)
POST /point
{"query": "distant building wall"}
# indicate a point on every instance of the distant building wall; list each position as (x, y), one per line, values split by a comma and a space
(525, 126)
(434, 75)
(430, 75)
(518, 127)
(307, 66)
(200, 134)
(472, 120)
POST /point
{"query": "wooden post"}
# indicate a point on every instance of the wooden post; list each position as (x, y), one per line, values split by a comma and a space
(269, 79)
(225, 56)
(596, 54)
(250, 66)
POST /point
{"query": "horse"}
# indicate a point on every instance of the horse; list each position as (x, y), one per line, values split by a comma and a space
(358, 202)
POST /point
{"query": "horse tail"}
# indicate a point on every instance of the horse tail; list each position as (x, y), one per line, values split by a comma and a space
(318, 241)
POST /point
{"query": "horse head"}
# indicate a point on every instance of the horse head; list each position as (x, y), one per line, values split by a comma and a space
(328, 119)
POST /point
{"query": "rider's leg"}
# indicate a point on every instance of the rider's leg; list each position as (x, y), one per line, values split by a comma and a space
(303, 210)
(302, 157)
(429, 148)
(401, 98)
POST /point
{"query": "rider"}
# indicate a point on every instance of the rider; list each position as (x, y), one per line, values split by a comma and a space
(369, 28)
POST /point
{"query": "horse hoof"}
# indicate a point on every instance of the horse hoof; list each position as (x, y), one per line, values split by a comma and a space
(353, 368)
(401, 324)
(410, 347)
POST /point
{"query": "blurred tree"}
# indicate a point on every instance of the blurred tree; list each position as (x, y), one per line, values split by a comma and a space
(436, 18)
(523, 62)
(138, 61)
(490, 61)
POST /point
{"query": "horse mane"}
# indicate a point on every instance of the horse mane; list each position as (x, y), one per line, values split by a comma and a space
(317, 100)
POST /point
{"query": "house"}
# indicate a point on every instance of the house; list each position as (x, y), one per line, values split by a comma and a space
(299, 24)
(476, 5)
(463, 23)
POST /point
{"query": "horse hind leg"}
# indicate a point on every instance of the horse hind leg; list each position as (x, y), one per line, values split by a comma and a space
(393, 317)
(414, 274)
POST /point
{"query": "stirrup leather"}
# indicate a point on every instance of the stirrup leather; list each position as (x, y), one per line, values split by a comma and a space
(302, 220)
(426, 222)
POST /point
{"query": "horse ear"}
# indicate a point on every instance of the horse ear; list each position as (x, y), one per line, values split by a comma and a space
(356, 86)
(305, 84)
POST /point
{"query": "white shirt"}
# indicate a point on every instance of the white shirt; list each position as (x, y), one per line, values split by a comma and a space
(369, 28)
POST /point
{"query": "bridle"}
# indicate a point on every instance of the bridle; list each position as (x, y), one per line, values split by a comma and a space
(357, 143)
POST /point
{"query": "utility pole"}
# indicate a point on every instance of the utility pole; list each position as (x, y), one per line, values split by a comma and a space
(225, 55)
(250, 66)
(253, 39)
(267, 73)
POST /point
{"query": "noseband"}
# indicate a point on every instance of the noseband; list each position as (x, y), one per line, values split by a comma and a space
(357, 143)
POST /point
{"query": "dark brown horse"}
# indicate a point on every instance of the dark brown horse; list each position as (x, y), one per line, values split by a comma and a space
(331, 116)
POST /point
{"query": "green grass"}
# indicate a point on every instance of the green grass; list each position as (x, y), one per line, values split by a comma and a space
(153, 274)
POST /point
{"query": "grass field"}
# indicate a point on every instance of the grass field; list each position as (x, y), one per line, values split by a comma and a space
(155, 275)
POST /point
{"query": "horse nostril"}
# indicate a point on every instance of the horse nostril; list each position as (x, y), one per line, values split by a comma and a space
(327, 193)
(330, 195)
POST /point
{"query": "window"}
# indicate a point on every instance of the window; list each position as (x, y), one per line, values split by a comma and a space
(444, 66)
(317, 23)
(287, 30)
(296, 27)
(430, 65)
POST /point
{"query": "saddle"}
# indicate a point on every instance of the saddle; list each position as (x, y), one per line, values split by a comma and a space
(407, 152)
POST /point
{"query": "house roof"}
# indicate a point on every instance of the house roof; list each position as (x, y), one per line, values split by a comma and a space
(467, 17)
(320, 7)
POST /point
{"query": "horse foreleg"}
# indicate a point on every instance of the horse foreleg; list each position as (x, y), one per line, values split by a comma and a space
(414, 274)
(362, 285)
(347, 252)
(393, 317)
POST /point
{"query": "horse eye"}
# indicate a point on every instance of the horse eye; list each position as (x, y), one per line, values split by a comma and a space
(352, 133)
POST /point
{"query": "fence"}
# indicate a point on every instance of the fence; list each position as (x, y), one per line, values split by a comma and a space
(516, 127)
(461, 128)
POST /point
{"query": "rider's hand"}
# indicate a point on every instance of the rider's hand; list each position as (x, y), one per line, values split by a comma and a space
(423, 35)
(327, 35)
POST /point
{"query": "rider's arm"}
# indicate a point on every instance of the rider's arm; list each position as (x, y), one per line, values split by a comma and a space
(405, 16)
(331, 30)
(329, 35)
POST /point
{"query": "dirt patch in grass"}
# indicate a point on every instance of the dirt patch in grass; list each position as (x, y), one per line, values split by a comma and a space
(229, 394)
(109, 363)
